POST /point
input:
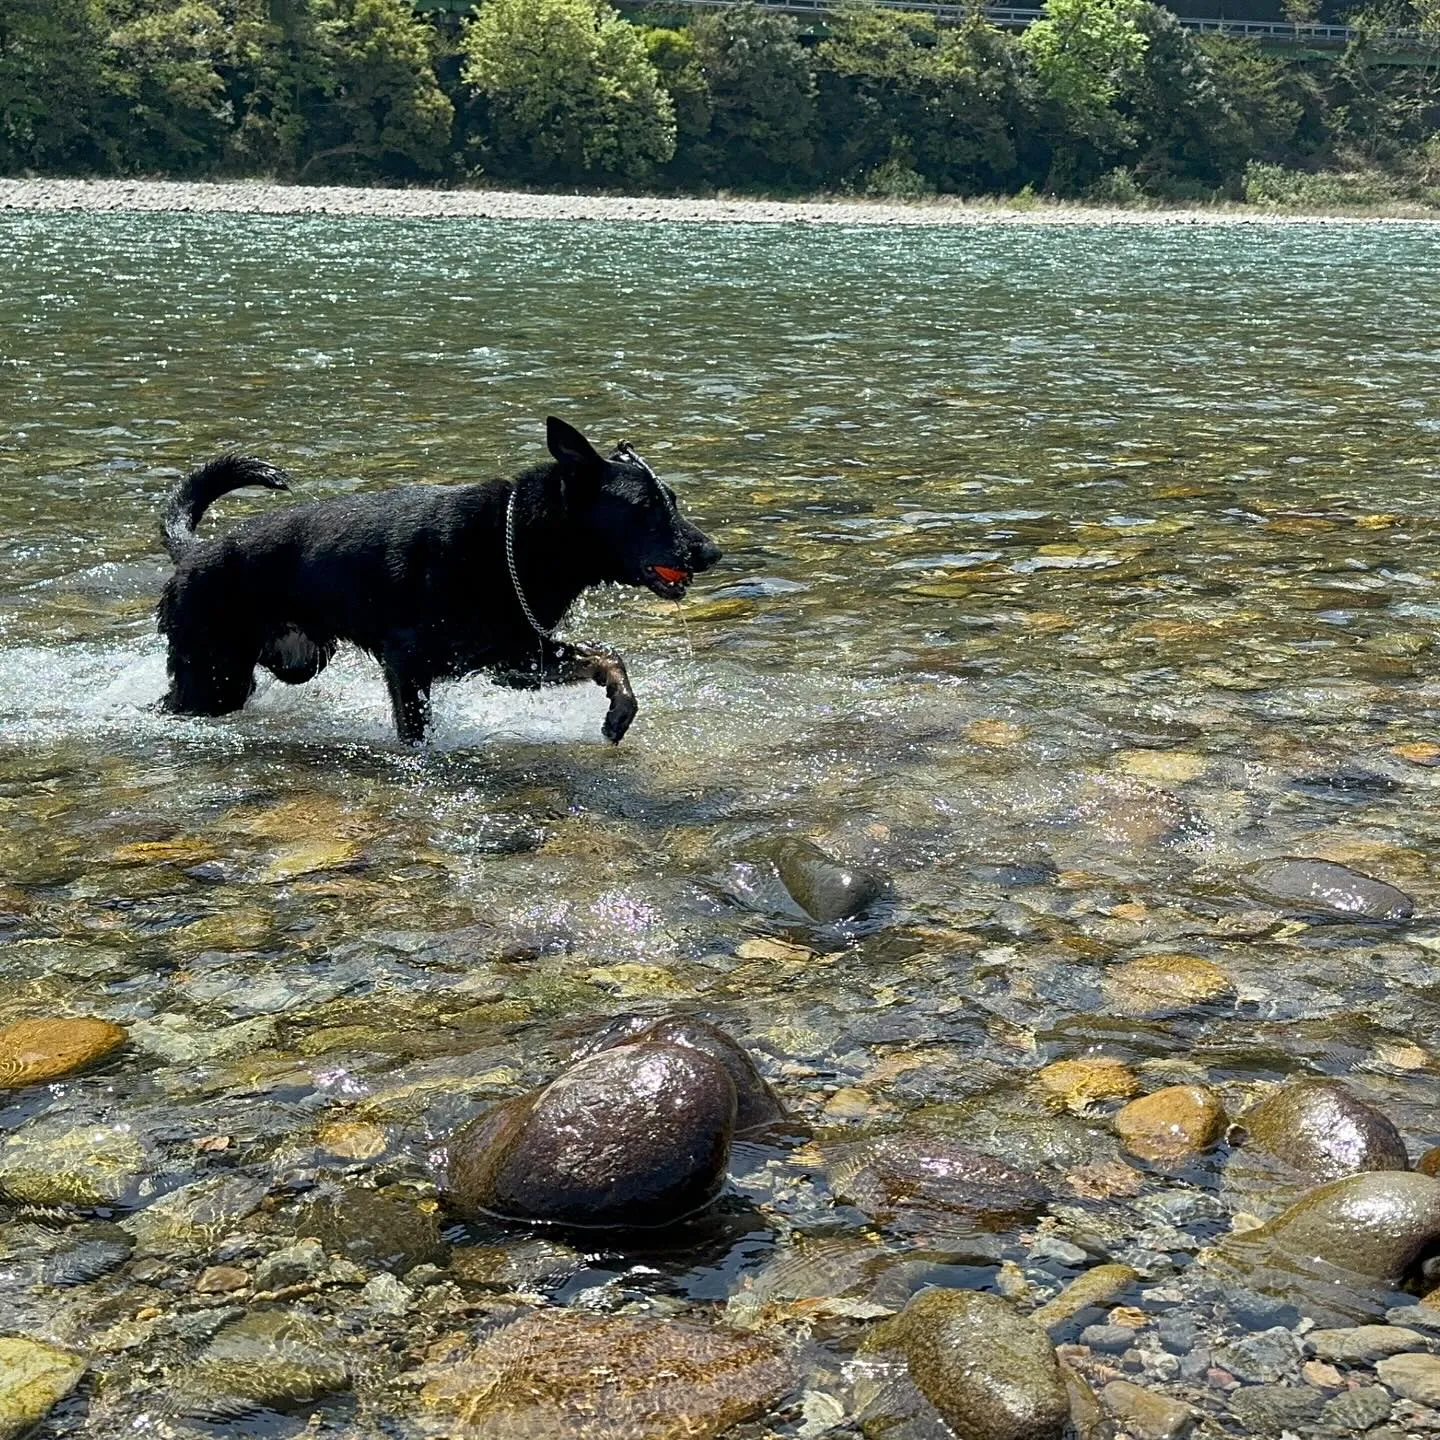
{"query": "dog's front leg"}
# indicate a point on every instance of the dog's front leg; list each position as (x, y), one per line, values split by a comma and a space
(607, 668)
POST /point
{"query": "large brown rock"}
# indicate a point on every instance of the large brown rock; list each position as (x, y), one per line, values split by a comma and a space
(635, 1137)
(756, 1105)
(990, 1372)
(1176, 1123)
(34, 1052)
(1323, 1130)
(564, 1374)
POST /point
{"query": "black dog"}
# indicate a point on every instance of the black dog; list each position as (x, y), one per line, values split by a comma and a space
(434, 582)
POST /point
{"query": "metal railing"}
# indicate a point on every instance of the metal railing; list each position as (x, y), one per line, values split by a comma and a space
(1012, 18)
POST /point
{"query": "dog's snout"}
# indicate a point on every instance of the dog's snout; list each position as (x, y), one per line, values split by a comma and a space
(704, 553)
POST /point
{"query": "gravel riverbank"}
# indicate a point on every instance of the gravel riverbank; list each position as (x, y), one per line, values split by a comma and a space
(263, 198)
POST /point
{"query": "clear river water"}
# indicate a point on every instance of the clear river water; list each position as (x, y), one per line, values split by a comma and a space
(1069, 572)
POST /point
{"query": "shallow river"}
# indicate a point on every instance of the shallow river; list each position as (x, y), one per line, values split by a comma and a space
(1068, 574)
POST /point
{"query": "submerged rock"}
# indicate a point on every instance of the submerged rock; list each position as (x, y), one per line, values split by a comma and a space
(389, 1230)
(756, 1104)
(920, 1172)
(56, 1162)
(34, 1052)
(1327, 890)
(824, 888)
(1152, 986)
(266, 1360)
(1338, 1251)
(569, 1373)
(1097, 1288)
(1175, 1123)
(33, 1378)
(1146, 1415)
(1088, 1080)
(193, 1218)
(634, 1137)
(991, 1373)
(1323, 1130)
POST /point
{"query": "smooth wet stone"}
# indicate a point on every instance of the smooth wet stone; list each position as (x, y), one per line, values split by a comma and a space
(928, 1172)
(1358, 1409)
(1327, 890)
(990, 1372)
(1152, 986)
(35, 1052)
(1429, 1162)
(571, 1373)
(33, 1378)
(55, 1162)
(1145, 1414)
(1088, 1080)
(756, 1104)
(1412, 1377)
(192, 1219)
(1272, 1354)
(825, 888)
(1097, 1288)
(635, 1137)
(1336, 1248)
(376, 1230)
(1323, 1130)
(266, 1360)
(1175, 1123)
(1364, 1344)
(293, 1265)
(1277, 1409)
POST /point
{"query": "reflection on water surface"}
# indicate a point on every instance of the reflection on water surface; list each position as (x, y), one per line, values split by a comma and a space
(1068, 573)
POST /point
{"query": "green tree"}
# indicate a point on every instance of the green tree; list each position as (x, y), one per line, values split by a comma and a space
(163, 63)
(672, 53)
(55, 101)
(568, 92)
(762, 98)
(1084, 54)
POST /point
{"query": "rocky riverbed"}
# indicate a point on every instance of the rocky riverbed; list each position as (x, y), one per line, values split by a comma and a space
(263, 198)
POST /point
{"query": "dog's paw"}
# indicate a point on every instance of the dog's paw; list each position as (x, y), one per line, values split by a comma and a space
(617, 720)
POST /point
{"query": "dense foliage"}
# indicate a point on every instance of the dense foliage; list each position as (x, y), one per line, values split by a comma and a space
(1110, 98)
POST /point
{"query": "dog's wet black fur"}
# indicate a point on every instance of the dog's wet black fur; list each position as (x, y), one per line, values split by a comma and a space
(418, 577)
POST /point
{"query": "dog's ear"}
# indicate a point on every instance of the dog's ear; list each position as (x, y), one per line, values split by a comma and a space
(569, 446)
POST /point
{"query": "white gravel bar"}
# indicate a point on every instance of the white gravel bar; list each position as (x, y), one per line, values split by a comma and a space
(252, 197)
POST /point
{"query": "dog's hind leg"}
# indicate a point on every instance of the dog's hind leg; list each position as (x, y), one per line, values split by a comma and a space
(292, 656)
(409, 696)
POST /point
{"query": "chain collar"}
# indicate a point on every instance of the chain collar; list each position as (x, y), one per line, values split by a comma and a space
(529, 614)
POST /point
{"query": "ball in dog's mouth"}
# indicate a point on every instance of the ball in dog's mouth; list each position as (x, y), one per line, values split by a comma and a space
(667, 581)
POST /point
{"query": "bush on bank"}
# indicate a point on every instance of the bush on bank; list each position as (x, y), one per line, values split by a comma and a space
(1106, 99)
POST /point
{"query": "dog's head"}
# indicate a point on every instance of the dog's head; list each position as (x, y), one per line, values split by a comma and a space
(640, 536)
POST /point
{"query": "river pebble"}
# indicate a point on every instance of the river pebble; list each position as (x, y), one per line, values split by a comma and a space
(1176, 1123)
(1145, 1414)
(1325, 889)
(1323, 1130)
(1413, 1377)
(1363, 1344)
(54, 1162)
(565, 1372)
(33, 1378)
(35, 1052)
(826, 889)
(990, 1372)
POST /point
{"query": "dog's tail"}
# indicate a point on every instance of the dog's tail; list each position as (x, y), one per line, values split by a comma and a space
(201, 488)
